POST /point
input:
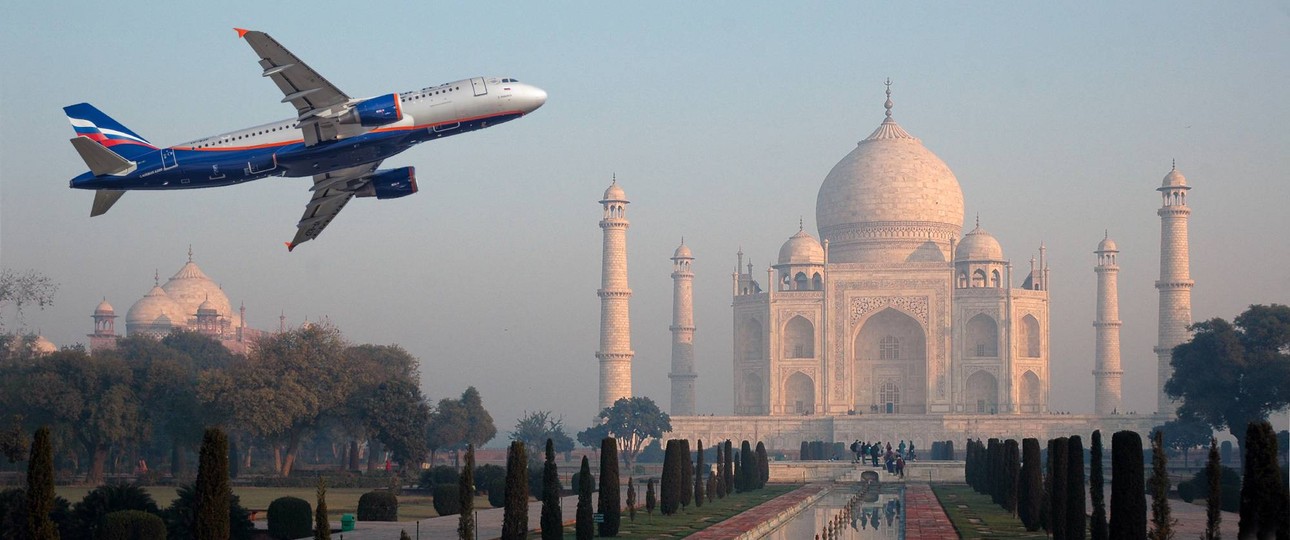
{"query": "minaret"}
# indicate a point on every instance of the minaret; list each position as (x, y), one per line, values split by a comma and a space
(1106, 370)
(615, 352)
(682, 328)
(1175, 280)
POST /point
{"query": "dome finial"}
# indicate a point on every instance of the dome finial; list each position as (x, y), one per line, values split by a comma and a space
(190, 253)
(978, 220)
(800, 224)
(613, 178)
(888, 104)
(1106, 233)
(1173, 164)
(156, 278)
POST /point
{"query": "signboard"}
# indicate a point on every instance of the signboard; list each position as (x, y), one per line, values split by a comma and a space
(598, 518)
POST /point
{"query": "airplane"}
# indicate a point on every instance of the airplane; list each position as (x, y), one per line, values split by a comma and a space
(338, 140)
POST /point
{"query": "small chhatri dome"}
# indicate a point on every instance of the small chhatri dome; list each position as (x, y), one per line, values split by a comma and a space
(614, 192)
(42, 345)
(1107, 244)
(801, 248)
(207, 307)
(682, 251)
(978, 245)
(104, 308)
(1174, 179)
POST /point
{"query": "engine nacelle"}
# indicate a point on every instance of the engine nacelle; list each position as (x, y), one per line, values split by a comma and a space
(390, 184)
(377, 111)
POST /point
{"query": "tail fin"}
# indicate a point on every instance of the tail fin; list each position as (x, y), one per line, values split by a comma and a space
(91, 123)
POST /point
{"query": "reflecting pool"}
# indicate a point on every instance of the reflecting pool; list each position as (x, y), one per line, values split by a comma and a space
(854, 512)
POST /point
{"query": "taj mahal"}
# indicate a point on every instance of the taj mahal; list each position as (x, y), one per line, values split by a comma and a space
(896, 321)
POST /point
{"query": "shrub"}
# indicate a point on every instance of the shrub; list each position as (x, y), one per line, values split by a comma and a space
(88, 514)
(181, 516)
(445, 499)
(1186, 491)
(486, 474)
(133, 525)
(497, 493)
(1229, 488)
(378, 506)
(290, 517)
(439, 474)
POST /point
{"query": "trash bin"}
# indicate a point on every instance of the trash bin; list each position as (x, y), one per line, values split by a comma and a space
(347, 522)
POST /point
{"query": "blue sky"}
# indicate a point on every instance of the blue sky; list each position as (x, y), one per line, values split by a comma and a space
(720, 120)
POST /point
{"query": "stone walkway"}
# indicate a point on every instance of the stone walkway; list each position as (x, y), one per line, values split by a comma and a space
(753, 518)
(489, 524)
(924, 517)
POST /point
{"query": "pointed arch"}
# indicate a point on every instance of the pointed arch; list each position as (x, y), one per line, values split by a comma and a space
(753, 394)
(799, 338)
(982, 337)
(1029, 337)
(981, 393)
(751, 339)
(799, 393)
(1031, 393)
(978, 278)
(891, 346)
(817, 282)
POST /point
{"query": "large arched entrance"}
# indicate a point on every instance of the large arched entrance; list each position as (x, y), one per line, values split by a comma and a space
(799, 338)
(982, 337)
(799, 394)
(891, 364)
(1031, 393)
(981, 393)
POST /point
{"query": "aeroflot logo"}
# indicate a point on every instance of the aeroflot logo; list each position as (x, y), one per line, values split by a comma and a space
(86, 128)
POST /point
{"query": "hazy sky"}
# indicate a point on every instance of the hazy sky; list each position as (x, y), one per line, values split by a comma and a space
(720, 119)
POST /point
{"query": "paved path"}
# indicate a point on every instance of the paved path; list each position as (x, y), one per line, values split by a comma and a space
(924, 517)
(748, 520)
(489, 524)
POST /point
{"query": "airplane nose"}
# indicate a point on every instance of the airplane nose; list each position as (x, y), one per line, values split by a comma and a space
(535, 97)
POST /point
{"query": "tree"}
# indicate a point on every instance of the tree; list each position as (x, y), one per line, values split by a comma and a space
(719, 484)
(535, 428)
(584, 528)
(1076, 519)
(30, 288)
(698, 475)
(728, 473)
(996, 474)
(1097, 524)
(1011, 473)
(322, 526)
(1058, 492)
(631, 499)
(687, 472)
(479, 424)
(670, 492)
(466, 497)
(608, 503)
(633, 421)
(40, 488)
(552, 518)
(1161, 524)
(1265, 505)
(1214, 500)
(1183, 434)
(515, 520)
(1128, 494)
(399, 417)
(747, 467)
(447, 427)
(763, 465)
(650, 499)
(212, 489)
(1030, 495)
(1230, 375)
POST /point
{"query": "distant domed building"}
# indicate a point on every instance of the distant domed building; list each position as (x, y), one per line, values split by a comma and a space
(189, 300)
(896, 310)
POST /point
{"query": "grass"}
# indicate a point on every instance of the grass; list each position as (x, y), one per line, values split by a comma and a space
(692, 520)
(339, 500)
(975, 516)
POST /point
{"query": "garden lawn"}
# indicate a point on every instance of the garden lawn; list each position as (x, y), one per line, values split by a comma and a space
(975, 516)
(339, 500)
(690, 520)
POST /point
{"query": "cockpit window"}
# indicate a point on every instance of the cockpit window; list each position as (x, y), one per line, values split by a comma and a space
(510, 80)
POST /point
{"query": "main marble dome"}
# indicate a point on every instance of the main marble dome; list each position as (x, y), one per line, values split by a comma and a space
(889, 200)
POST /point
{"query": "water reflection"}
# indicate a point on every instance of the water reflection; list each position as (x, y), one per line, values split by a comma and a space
(873, 514)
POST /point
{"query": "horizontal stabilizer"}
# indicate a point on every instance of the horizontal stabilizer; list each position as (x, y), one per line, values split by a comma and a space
(99, 159)
(104, 199)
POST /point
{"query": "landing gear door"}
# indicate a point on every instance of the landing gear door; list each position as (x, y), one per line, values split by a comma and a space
(478, 84)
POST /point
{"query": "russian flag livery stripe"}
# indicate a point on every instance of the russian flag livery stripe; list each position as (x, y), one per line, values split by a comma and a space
(91, 123)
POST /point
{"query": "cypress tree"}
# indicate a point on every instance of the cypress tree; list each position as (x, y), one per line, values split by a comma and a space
(719, 483)
(1031, 492)
(1128, 494)
(584, 527)
(949, 450)
(631, 499)
(698, 475)
(466, 497)
(712, 484)
(212, 489)
(803, 455)
(729, 473)
(552, 518)
(1045, 497)
(763, 465)
(515, 516)
(687, 472)
(996, 474)
(1161, 523)
(609, 505)
(1076, 519)
(1213, 510)
(1011, 474)
(322, 526)
(650, 499)
(40, 487)
(969, 462)
(1263, 492)
(234, 459)
(1058, 494)
(748, 466)
(739, 476)
(1097, 526)
(669, 493)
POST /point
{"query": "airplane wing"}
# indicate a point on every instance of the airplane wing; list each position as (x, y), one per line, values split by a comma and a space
(308, 91)
(331, 192)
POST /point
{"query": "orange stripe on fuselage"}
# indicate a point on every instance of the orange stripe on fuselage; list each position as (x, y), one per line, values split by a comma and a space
(378, 130)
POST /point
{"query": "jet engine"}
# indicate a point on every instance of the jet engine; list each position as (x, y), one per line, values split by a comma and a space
(373, 112)
(390, 184)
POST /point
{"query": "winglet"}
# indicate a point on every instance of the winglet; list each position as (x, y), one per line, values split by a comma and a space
(290, 246)
(241, 31)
